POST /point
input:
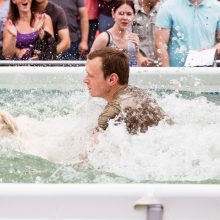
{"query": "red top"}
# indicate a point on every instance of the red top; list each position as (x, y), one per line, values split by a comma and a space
(93, 8)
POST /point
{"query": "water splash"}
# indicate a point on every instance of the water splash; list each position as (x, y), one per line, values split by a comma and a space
(186, 151)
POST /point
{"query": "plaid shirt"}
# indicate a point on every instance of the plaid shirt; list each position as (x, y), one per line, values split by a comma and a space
(144, 26)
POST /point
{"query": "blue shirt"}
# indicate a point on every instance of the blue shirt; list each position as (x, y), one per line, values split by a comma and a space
(192, 27)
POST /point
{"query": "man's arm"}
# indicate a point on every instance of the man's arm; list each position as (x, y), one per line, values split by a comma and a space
(62, 31)
(64, 40)
(161, 40)
(110, 111)
(84, 26)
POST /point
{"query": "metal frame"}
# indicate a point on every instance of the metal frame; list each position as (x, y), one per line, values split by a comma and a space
(197, 79)
(109, 201)
(52, 63)
(42, 63)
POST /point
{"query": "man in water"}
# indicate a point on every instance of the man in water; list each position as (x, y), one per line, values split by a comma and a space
(107, 77)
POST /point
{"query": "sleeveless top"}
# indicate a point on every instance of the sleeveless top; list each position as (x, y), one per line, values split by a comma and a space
(130, 51)
(27, 41)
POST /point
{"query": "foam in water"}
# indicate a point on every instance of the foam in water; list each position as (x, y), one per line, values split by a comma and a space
(186, 151)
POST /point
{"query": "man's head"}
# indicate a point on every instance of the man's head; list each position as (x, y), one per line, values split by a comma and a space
(106, 69)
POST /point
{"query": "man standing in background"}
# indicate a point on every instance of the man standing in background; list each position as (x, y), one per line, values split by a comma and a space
(60, 27)
(76, 9)
(144, 27)
(92, 7)
(185, 25)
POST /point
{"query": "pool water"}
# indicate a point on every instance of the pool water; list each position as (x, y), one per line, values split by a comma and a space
(57, 127)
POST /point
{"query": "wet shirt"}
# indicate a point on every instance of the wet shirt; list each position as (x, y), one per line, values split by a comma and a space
(133, 106)
(192, 27)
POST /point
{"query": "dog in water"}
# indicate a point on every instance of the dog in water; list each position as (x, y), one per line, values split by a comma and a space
(43, 138)
(8, 126)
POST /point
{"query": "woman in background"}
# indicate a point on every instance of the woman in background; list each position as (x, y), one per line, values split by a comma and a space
(119, 36)
(27, 35)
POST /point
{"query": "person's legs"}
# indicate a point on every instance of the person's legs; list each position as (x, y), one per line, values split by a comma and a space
(72, 53)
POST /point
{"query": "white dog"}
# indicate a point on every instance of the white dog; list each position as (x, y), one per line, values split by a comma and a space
(8, 125)
(44, 138)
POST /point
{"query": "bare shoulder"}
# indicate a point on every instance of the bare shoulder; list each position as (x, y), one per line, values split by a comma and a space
(47, 18)
(100, 41)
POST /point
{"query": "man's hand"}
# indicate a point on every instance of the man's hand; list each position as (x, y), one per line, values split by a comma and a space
(83, 47)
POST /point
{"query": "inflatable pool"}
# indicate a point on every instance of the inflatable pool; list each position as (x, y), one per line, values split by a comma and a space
(169, 172)
(116, 201)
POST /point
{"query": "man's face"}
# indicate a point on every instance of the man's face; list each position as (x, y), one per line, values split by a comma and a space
(97, 85)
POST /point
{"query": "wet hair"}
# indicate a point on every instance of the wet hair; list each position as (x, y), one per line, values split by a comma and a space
(113, 61)
(13, 13)
(119, 3)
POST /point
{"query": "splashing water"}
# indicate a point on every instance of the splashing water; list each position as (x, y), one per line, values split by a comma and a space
(58, 126)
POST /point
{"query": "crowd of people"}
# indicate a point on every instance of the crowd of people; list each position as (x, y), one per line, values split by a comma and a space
(150, 32)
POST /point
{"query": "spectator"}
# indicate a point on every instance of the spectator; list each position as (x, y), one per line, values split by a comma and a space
(59, 20)
(93, 10)
(106, 20)
(4, 7)
(186, 25)
(144, 26)
(23, 31)
(75, 9)
(118, 36)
